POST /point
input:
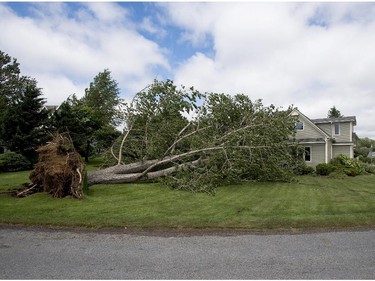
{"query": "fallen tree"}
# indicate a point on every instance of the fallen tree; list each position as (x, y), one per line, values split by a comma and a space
(198, 141)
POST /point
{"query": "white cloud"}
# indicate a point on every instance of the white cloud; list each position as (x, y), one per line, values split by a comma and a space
(196, 18)
(56, 95)
(107, 12)
(64, 49)
(311, 55)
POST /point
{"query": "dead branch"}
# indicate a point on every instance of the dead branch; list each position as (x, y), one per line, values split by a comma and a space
(122, 144)
(171, 148)
(113, 154)
(25, 191)
(80, 176)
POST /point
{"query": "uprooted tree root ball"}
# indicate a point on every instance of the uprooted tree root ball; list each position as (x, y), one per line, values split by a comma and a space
(59, 170)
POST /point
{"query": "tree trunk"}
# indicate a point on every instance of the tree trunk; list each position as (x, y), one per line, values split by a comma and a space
(133, 172)
(150, 169)
(87, 152)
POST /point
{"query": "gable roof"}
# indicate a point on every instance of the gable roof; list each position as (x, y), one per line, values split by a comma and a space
(335, 120)
(295, 111)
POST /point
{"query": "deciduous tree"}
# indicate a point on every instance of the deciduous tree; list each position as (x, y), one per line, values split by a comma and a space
(79, 121)
(91, 121)
(225, 139)
(103, 97)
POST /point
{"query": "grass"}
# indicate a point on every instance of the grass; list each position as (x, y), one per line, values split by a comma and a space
(311, 202)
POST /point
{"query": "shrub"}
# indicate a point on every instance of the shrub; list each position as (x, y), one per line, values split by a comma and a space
(351, 167)
(364, 159)
(303, 169)
(370, 169)
(324, 169)
(340, 160)
(308, 170)
(13, 162)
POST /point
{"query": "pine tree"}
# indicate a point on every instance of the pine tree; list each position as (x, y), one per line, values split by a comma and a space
(23, 128)
(334, 113)
(9, 82)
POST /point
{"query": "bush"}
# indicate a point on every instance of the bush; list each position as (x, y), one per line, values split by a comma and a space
(340, 160)
(13, 162)
(351, 167)
(324, 169)
(364, 159)
(370, 169)
(303, 169)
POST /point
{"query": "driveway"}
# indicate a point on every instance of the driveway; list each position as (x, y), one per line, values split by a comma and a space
(32, 253)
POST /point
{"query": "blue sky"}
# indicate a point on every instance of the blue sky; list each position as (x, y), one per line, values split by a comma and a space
(310, 55)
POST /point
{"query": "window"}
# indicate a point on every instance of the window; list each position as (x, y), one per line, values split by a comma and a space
(307, 154)
(337, 129)
(299, 126)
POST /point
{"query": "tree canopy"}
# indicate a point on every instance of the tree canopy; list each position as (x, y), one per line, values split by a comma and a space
(91, 120)
(9, 77)
(200, 141)
(363, 147)
(79, 121)
(103, 97)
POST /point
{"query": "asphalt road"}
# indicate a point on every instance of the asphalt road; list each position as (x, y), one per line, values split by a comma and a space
(55, 254)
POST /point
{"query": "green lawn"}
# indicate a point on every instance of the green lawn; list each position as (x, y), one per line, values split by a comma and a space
(311, 202)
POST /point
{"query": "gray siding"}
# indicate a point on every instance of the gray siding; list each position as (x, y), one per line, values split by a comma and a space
(345, 132)
(307, 132)
(317, 154)
(341, 149)
(327, 128)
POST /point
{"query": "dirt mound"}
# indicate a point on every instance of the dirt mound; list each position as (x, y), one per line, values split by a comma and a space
(59, 170)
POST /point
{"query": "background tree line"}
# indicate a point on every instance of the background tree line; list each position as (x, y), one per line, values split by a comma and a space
(26, 123)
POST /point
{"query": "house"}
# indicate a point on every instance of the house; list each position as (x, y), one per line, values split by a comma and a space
(325, 138)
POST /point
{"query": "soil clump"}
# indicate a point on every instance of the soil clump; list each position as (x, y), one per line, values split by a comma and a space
(59, 170)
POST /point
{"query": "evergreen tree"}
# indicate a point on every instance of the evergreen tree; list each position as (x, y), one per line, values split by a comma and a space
(23, 126)
(84, 126)
(334, 113)
(79, 121)
(9, 78)
(22, 114)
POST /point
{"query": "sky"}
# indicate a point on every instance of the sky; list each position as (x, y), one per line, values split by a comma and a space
(310, 55)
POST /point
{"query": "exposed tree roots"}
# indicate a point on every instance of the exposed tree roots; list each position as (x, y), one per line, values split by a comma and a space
(59, 169)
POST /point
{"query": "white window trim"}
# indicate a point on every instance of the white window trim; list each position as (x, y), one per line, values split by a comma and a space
(303, 125)
(334, 129)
